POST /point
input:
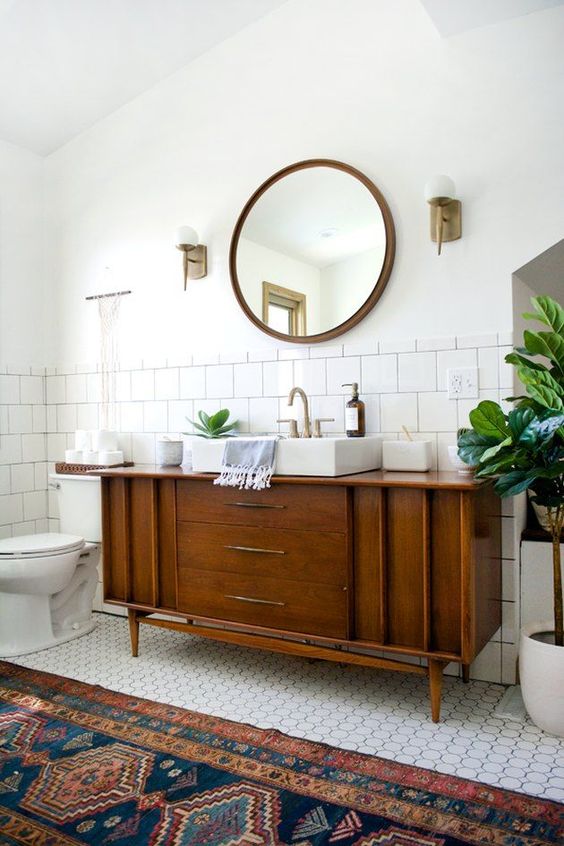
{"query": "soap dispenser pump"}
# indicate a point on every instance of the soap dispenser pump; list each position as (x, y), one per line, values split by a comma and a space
(355, 425)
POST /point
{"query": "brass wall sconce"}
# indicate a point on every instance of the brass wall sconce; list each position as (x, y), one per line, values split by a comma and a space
(195, 256)
(446, 214)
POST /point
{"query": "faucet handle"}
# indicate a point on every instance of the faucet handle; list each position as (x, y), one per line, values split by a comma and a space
(317, 425)
(293, 426)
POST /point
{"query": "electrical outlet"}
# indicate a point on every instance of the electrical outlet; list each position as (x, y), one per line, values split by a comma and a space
(462, 382)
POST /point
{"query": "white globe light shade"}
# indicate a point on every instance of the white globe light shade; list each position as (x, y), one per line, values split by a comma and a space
(440, 186)
(186, 235)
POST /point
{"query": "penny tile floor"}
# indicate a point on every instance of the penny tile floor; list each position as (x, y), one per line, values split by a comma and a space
(375, 712)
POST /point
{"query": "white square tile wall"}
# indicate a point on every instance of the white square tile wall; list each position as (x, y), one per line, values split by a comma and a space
(23, 450)
(402, 382)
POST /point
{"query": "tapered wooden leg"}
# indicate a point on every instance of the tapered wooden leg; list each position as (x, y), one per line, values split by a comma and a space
(133, 631)
(435, 687)
(466, 673)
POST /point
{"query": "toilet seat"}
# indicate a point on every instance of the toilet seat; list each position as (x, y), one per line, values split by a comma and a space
(43, 545)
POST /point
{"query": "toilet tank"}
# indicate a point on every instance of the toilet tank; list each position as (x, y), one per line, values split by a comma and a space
(79, 505)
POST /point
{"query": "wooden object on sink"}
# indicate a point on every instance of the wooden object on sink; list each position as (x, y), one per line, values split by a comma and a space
(397, 565)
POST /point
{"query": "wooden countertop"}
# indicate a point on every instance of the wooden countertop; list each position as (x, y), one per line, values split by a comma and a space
(371, 478)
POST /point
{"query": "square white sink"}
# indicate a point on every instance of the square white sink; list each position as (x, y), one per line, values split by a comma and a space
(302, 456)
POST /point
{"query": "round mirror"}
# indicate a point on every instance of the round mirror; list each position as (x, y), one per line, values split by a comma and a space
(312, 251)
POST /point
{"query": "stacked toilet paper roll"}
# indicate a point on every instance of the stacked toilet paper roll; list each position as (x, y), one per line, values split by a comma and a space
(95, 446)
(107, 457)
(103, 439)
(74, 456)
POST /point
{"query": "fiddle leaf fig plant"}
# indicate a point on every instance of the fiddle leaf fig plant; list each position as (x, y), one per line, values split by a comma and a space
(523, 450)
(214, 426)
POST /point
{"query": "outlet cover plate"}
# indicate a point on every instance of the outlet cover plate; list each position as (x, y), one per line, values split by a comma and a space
(462, 382)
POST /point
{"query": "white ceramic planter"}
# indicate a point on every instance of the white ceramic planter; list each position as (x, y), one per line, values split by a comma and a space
(416, 456)
(169, 453)
(541, 670)
(458, 463)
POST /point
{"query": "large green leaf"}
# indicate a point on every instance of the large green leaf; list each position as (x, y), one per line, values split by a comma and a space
(197, 426)
(548, 311)
(494, 450)
(204, 418)
(546, 397)
(514, 482)
(518, 419)
(517, 481)
(530, 376)
(548, 344)
(219, 419)
(518, 360)
(472, 445)
(228, 428)
(540, 430)
(494, 468)
(488, 419)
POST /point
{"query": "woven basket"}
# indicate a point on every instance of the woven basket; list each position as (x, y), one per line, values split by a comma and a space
(80, 469)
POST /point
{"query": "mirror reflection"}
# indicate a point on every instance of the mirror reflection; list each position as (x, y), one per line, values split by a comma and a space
(311, 251)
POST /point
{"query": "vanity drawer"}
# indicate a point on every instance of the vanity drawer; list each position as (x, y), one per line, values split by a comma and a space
(275, 603)
(249, 550)
(307, 507)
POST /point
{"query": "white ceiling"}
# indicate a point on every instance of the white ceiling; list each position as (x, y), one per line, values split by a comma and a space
(454, 16)
(65, 64)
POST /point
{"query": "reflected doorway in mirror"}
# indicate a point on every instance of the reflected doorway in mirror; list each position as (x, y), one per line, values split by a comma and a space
(284, 310)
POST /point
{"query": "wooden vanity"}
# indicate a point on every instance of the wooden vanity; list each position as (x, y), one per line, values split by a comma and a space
(397, 564)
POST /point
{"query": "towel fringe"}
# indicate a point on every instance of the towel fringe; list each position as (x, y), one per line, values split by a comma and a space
(245, 476)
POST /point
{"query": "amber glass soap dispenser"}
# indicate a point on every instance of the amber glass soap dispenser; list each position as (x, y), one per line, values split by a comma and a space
(355, 425)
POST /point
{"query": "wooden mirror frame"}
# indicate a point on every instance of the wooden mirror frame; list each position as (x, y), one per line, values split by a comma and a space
(379, 284)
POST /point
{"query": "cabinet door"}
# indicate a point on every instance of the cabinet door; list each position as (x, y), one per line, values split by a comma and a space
(139, 541)
(409, 568)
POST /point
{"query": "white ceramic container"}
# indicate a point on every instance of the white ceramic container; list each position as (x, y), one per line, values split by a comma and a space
(415, 456)
(169, 453)
(541, 671)
(458, 463)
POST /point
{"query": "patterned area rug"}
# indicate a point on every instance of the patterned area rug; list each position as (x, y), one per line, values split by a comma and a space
(81, 764)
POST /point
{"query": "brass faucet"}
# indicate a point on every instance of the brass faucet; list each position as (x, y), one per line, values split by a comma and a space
(302, 394)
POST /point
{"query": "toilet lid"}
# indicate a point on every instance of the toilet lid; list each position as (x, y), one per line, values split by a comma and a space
(37, 546)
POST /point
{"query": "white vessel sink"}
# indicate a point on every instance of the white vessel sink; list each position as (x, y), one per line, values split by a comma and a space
(302, 456)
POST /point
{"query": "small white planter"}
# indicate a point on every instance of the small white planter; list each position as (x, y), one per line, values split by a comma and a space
(414, 456)
(541, 670)
(457, 463)
(169, 453)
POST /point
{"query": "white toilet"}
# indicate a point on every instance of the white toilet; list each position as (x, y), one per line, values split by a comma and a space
(48, 581)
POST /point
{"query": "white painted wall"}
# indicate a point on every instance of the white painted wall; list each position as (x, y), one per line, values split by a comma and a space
(257, 264)
(370, 83)
(23, 280)
(346, 285)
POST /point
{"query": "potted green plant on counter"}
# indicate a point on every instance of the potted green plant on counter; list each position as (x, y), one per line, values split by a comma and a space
(209, 434)
(524, 451)
(215, 425)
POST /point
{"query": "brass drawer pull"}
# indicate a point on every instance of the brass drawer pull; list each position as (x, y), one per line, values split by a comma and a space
(251, 599)
(256, 549)
(253, 505)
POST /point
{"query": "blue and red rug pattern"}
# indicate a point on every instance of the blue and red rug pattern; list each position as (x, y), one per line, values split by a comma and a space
(83, 765)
